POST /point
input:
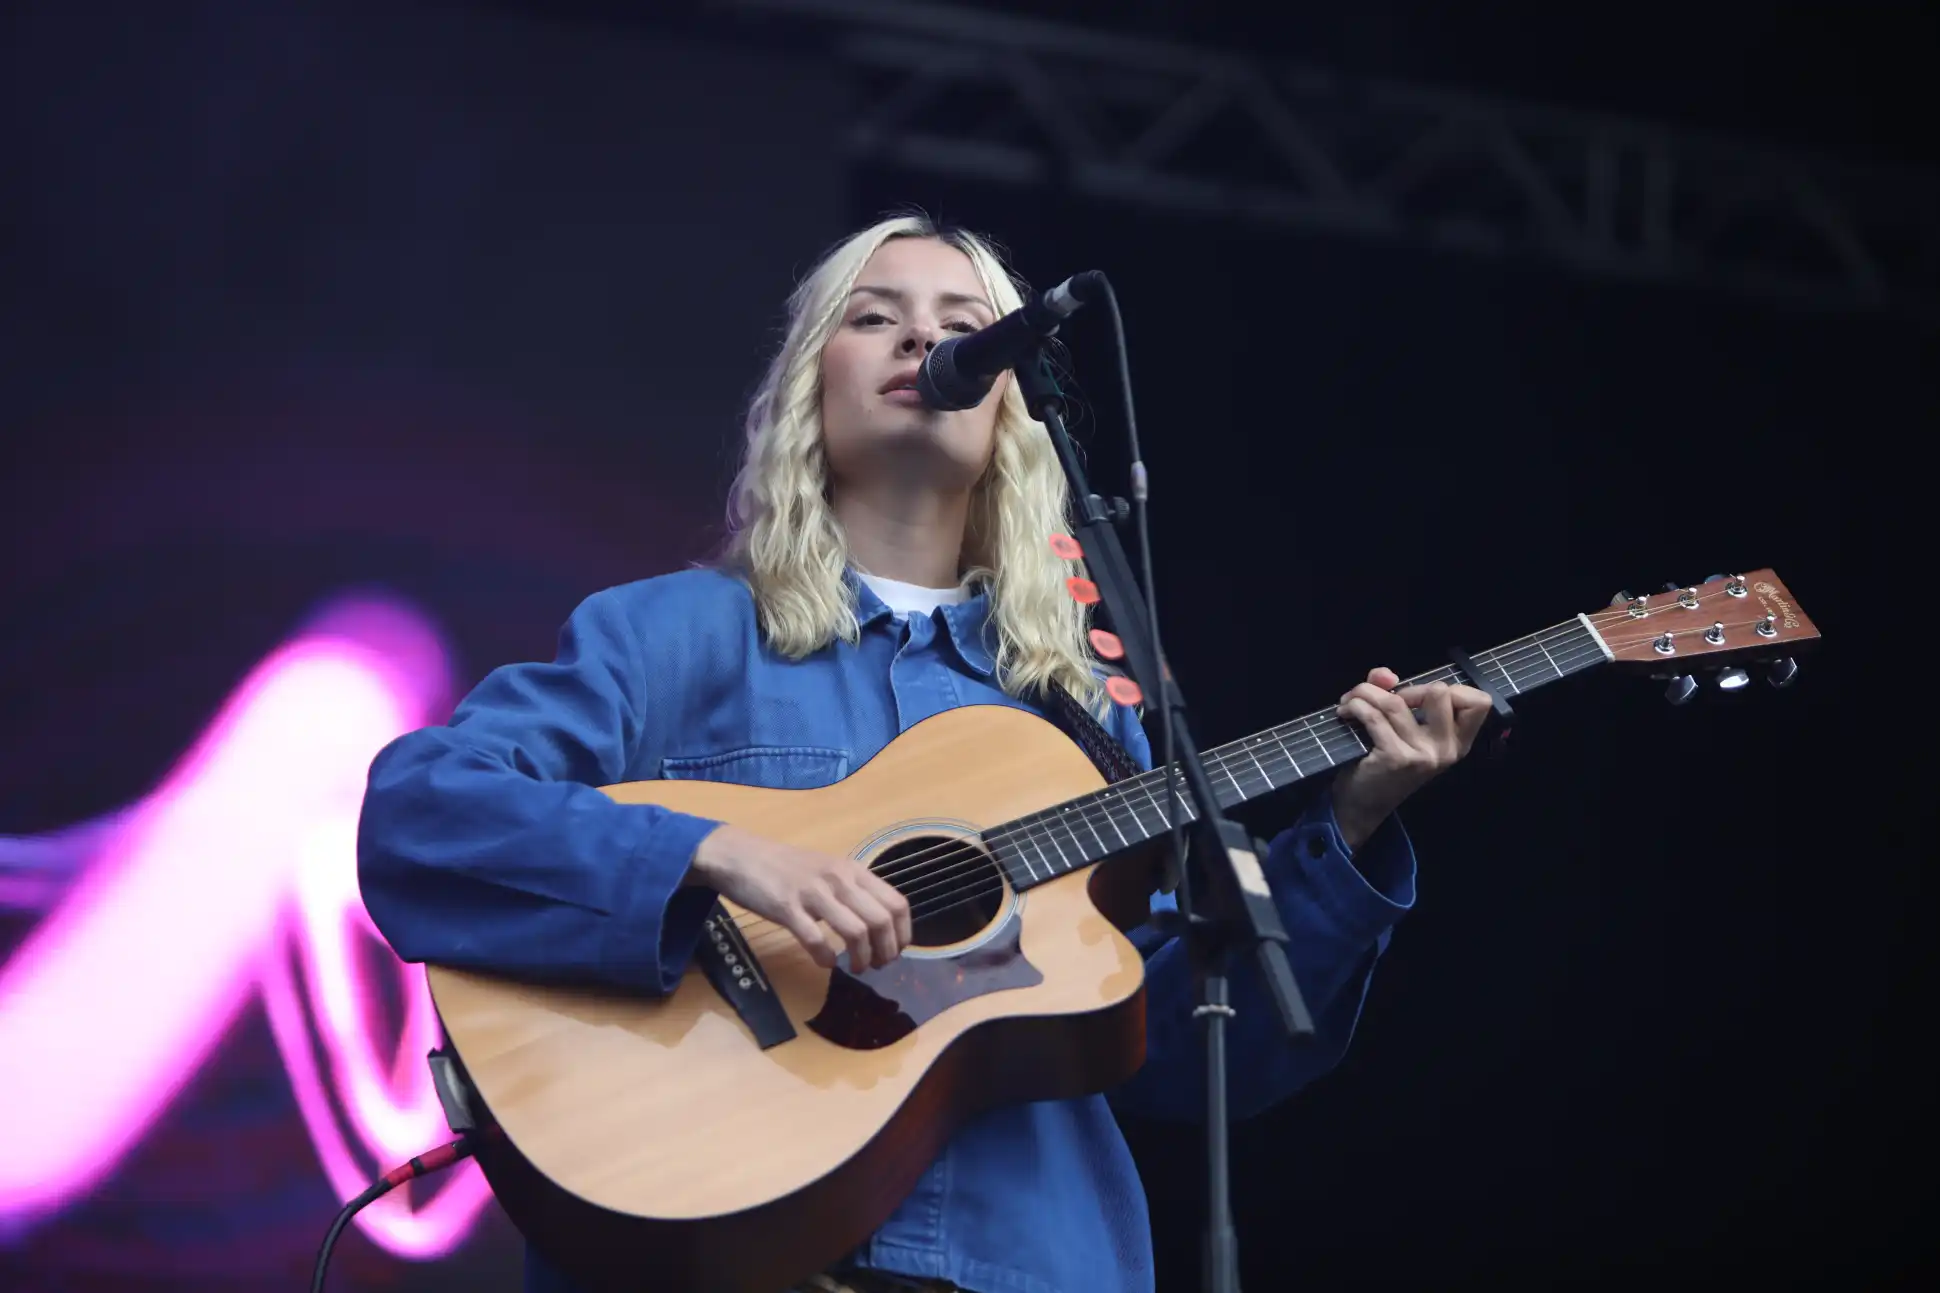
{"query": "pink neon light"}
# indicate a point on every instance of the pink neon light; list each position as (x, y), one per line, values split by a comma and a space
(237, 875)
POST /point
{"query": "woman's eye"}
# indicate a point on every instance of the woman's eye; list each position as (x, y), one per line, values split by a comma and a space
(872, 318)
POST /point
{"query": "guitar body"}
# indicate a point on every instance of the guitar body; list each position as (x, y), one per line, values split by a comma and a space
(652, 1143)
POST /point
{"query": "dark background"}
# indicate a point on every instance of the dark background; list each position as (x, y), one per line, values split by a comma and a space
(462, 300)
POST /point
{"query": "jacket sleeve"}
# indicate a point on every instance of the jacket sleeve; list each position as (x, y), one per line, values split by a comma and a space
(485, 843)
(1339, 911)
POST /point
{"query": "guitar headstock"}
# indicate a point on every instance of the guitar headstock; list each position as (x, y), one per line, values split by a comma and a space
(1724, 625)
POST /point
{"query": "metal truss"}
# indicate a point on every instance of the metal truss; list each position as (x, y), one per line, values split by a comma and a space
(1017, 101)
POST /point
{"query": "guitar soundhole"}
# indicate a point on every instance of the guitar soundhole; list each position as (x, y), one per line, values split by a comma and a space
(956, 892)
(954, 888)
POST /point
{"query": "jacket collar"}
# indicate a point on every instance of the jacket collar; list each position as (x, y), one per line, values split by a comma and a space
(968, 622)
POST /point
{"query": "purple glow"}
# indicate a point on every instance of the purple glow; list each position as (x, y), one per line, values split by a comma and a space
(237, 874)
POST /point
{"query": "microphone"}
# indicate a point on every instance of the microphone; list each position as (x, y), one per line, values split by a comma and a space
(962, 369)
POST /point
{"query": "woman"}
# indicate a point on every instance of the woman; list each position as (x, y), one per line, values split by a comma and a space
(887, 562)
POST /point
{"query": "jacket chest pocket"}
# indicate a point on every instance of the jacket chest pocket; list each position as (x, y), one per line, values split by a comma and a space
(777, 767)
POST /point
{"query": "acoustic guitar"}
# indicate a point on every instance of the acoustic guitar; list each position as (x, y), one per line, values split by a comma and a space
(764, 1119)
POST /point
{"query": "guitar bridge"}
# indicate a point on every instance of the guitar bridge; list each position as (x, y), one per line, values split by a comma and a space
(730, 965)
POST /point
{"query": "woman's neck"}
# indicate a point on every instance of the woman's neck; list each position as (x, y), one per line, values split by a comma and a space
(914, 537)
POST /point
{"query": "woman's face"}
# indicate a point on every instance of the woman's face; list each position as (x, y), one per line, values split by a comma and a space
(912, 293)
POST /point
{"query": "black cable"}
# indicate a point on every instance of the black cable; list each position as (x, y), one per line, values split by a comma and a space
(1139, 493)
(424, 1164)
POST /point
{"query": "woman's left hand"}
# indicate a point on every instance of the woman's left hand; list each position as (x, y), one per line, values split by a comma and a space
(1405, 754)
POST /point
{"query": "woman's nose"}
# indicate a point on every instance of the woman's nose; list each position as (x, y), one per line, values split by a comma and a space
(918, 335)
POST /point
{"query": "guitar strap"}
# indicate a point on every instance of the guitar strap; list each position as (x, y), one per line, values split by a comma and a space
(1107, 754)
(1113, 761)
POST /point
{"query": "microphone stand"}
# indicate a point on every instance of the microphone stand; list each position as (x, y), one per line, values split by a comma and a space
(1237, 915)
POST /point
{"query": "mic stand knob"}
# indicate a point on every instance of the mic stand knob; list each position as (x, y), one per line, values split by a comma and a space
(1115, 509)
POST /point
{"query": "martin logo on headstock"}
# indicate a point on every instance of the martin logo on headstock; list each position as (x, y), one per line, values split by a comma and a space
(1768, 590)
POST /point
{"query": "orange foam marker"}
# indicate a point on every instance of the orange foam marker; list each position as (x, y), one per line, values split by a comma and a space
(1083, 590)
(1107, 644)
(1123, 690)
(1066, 546)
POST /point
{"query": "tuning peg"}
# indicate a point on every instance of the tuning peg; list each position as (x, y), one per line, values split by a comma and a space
(1622, 598)
(1732, 679)
(1734, 585)
(1782, 672)
(1682, 688)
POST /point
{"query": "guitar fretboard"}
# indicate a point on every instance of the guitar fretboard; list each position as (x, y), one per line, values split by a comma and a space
(1091, 828)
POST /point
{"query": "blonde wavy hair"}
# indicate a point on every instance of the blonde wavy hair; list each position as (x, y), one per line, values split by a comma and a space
(783, 536)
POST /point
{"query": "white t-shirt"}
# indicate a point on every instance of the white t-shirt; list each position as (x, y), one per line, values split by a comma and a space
(903, 599)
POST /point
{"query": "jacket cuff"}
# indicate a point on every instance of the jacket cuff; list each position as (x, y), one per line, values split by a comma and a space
(660, 924)
(1367, 892)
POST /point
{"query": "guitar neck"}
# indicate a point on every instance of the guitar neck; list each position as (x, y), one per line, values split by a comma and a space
(1091, 828)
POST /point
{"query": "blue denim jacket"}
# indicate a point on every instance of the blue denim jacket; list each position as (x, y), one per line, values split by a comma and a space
(485, 843)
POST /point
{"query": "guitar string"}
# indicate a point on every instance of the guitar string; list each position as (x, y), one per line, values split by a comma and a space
(967, 862)
(1121, 794)
(965, 859)
(1036, 829)
(959, 858)
(1310, 738)
(970, 876)
(1507, 660)
(1305, 741)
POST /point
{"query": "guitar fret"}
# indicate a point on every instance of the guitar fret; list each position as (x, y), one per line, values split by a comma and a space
(1287, 754)
(1153, 800)
(1060, 848)
(1023, 855)
(1103, 849)
(1110, 802)
(1050, 867)
(1547, 656)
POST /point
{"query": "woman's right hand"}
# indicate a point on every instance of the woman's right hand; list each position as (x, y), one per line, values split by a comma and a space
(800, 889)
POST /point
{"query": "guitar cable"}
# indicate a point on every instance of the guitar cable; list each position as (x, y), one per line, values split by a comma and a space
(422, 1165)
(462, 1115)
